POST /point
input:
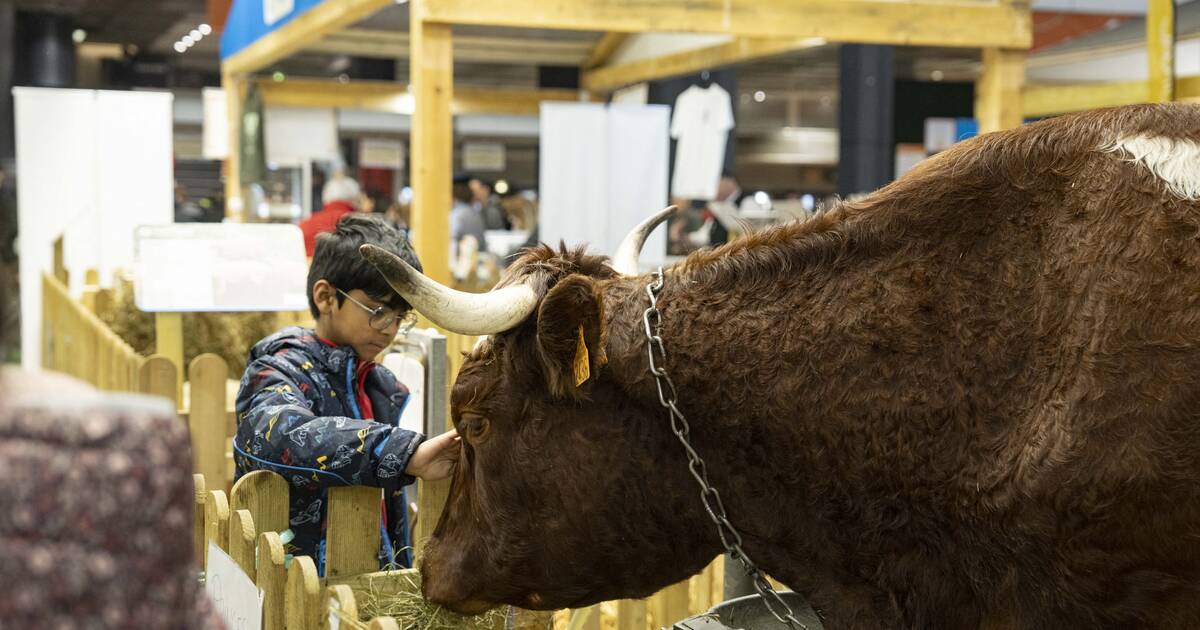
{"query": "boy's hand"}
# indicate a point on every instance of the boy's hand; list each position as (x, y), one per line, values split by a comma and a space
(436, 457)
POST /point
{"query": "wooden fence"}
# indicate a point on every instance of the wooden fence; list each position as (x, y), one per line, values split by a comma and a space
(248, 521)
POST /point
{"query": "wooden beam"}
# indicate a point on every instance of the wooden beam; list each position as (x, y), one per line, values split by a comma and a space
(609, 78)
(604, 49)
(1046, 100)
(1160, 49)
(235, 93)
(305, 29)
(395, 98)
(956, 23)
(998, 98)
(500, 50)
(432, 76)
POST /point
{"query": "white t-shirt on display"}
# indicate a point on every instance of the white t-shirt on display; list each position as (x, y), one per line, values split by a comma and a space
(700, 122)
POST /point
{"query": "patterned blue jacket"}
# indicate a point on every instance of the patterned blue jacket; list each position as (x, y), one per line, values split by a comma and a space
(320, 418)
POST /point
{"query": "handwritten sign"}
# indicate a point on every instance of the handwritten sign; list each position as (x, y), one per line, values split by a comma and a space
(234, 595)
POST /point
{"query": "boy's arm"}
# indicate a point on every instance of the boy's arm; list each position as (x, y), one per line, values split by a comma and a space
(278, 431)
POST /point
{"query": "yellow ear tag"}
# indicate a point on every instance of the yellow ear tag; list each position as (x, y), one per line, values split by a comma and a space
(582, 363)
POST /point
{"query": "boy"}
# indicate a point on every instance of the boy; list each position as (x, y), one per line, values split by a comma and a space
(314, 407)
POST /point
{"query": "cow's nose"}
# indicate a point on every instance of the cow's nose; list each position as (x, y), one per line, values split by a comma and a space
(451, 589)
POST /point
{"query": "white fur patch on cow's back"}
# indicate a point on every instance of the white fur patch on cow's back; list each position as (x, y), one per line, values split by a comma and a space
(1175, 162)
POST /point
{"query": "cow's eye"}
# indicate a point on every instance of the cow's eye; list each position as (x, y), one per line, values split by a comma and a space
(474, 427)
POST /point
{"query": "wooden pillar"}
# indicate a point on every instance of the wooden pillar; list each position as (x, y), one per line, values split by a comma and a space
(235, 93)
(1160, 49)
(998, 102)
(431, 73)
(168, 342)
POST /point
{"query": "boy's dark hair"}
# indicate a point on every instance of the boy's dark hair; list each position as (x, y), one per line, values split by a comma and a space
(336, 259)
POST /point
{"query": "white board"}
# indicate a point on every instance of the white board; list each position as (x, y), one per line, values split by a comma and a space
(293, 135)
(216, 124)
(193, 267)
(233, 593)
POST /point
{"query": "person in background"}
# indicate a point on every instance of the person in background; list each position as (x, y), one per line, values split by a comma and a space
(489, 205)
(314, 406)
(465, 219)
(340, 197)
(729, 192)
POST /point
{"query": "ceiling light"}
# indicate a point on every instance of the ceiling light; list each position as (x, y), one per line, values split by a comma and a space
(937, 75)
(196, 35)
(278, 76)
(762, 198)
(204, 29)
(78, 35)
(760, 96)
(501, 187)
(188, 41)
(180, 47)
(343, 78)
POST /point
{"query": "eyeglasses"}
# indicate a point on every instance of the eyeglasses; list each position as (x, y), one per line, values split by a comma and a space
(383, 317)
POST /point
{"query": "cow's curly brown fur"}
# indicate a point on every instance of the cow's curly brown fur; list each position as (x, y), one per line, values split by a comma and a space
(969, 400)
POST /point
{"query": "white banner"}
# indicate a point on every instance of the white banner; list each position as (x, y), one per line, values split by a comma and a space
(234, 595)
(483, 156)
(381, 153)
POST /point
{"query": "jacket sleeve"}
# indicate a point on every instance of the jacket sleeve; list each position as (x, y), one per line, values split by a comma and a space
(278, 431)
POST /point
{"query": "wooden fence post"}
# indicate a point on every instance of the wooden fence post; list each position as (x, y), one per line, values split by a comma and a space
(216, 522)
(303, 600)
(352, 537)
(206, 418)
(157, 378)
(198, 516)
(272, 579)
(241, 541)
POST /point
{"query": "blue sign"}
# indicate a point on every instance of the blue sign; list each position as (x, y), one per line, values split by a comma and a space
(248, 21)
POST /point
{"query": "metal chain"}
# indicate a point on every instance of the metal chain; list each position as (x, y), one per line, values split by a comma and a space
(668, 397)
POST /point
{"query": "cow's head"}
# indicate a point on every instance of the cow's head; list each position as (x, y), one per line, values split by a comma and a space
(561, 475)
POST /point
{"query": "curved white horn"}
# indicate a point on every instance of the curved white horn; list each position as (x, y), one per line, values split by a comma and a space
(625, 261)
(456, 311)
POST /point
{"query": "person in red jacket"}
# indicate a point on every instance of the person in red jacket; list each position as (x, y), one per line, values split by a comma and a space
(341, 197)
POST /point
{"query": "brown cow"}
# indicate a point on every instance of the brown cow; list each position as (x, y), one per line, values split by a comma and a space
(971, 399)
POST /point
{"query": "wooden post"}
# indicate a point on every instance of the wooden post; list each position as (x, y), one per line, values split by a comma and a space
(241, 541)
(206, 418)
(352, 536)
(216, 522)
(235, 91)
(168, 341)
(198, 536)
(998, 91)
(340, 601)
(631, 614)
(265, 495)
(303, 599)
(272, 579)
(1160, 49)
(158, 375)
(671, 604)
(432, 76)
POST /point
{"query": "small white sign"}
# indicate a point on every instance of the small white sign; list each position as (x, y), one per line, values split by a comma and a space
(234, 595)
(226, 267)
(381, 153)
(483, 156)
(275, 10)
(216, 125)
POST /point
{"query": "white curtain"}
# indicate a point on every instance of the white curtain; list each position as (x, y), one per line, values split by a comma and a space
(91, 166)
(603, 170)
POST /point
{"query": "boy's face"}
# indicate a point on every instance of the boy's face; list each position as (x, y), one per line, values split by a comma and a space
(350, 324)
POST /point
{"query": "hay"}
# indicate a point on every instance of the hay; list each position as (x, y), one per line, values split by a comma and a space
(397, 594)
(229, 335)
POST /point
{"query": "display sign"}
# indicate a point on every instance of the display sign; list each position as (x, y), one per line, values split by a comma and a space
(229, 267)
(275, 10)
(381, 153)
(483, 156)
(233, 593)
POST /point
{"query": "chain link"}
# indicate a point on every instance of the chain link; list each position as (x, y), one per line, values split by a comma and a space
(668, 397)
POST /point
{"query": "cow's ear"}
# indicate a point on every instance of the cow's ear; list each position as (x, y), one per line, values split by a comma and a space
(570, 336)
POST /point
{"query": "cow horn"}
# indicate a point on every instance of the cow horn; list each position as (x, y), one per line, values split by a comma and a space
(625, 261)
(457, 311)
